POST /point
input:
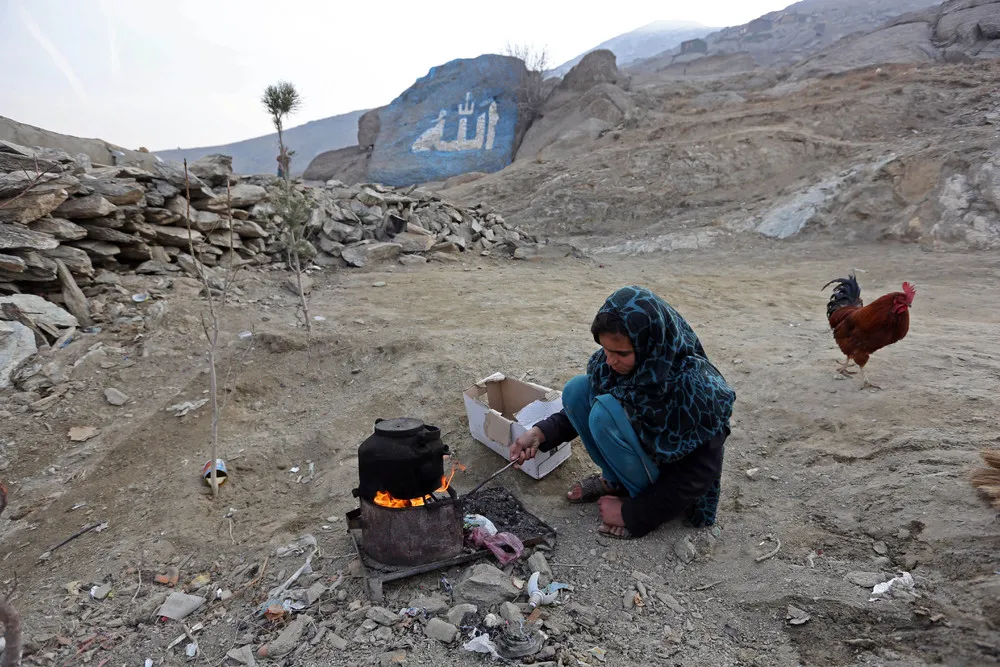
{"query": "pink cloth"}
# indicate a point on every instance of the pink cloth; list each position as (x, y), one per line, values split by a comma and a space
(505, 546)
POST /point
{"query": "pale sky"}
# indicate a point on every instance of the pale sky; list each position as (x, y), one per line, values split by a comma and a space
(185, 73)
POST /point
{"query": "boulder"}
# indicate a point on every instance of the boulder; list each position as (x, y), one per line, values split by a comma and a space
(571, 122)
(41, 311)
(91, 206)
(76, 259)
(411, 242)
(33, 204)
(349, 165)
(60, 229)
(342, 232)
(17, 236)
(486, 585)
(178, 236)
(364, 253)
(100, 249)
(241, 195)
(173, 173)
(17, 343)
(119, 192)
(600, 66)
(249, 229)
(462, 116)
(107, 234)
(215, 169)
(368, 128)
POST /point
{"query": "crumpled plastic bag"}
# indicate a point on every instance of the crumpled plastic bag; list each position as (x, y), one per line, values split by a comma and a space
(885, 590)
(298, 547)
(507, 547)
(479, 521)
(482, 644)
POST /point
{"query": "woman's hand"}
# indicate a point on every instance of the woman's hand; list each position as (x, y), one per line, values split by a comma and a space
(526, 446)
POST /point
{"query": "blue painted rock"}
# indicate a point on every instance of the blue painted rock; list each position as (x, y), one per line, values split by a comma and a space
(461, 117)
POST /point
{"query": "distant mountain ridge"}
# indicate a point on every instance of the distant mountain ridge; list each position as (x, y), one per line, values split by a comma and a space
(258, 155)
(649, 40)
(793, 34)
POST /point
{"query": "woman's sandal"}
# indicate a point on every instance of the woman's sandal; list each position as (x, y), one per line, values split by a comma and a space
(593, 488)
(626, 535)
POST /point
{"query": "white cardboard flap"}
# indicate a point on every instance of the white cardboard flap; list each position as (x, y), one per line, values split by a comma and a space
(497, 428)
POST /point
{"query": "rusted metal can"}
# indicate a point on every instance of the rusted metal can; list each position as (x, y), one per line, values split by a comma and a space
(412, 535)
(221, 473)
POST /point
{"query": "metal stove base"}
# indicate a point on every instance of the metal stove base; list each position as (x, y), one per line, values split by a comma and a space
(375, 576)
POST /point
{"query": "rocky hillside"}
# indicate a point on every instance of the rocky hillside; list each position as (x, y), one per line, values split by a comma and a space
(645, 42)
(794, 33)
(257, 155)
(903, 152)
(952, 32)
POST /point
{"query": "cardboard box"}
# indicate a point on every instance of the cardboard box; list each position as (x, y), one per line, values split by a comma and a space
(500, 409)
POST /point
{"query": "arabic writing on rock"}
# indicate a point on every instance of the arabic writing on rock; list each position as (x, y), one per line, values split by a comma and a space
(483, 138)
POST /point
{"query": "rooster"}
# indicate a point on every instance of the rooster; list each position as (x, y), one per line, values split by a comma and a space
(861, 330)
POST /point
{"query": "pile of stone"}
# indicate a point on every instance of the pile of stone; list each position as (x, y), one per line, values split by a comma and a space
(56, 210)
(63, 219)
(369, 222)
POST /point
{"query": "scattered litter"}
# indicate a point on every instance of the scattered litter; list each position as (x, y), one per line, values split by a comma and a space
(191, 650)
(148, 663)
(297, 547)
(380, 283)
(902, 583)
(482, 644)
(221, 472)
(796, 616)
(100, 592)
(507, 547)
(543, 596)
(187, 406)
(479, 521)
(246, 335)
(83, 433)
(773, 552)
(598, 653)
(139, 298)
(77, 507)
(99, 526)
(199, 581)
(294, 469)
(170, 578)
(319, 318)
(180, 605)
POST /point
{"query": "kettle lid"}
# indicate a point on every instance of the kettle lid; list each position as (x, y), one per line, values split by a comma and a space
(399, 427)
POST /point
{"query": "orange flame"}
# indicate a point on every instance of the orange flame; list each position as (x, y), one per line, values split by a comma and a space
(385, 499)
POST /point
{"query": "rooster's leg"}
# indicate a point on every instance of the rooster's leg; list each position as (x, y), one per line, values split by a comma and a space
(865, 384)
(843, 367)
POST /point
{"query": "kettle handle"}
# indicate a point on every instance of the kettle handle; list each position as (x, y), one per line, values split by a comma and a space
(429, 433)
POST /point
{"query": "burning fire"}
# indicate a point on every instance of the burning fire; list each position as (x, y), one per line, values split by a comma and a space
(384, 499)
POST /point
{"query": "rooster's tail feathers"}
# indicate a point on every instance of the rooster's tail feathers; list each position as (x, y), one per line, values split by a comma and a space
(846, 293)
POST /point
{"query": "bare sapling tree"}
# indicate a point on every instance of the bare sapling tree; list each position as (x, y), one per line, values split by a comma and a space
(282, 100)
(531, 94)
(217, 295)
(295, 212)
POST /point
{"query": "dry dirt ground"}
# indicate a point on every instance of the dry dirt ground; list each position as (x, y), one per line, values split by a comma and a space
(840, 471)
